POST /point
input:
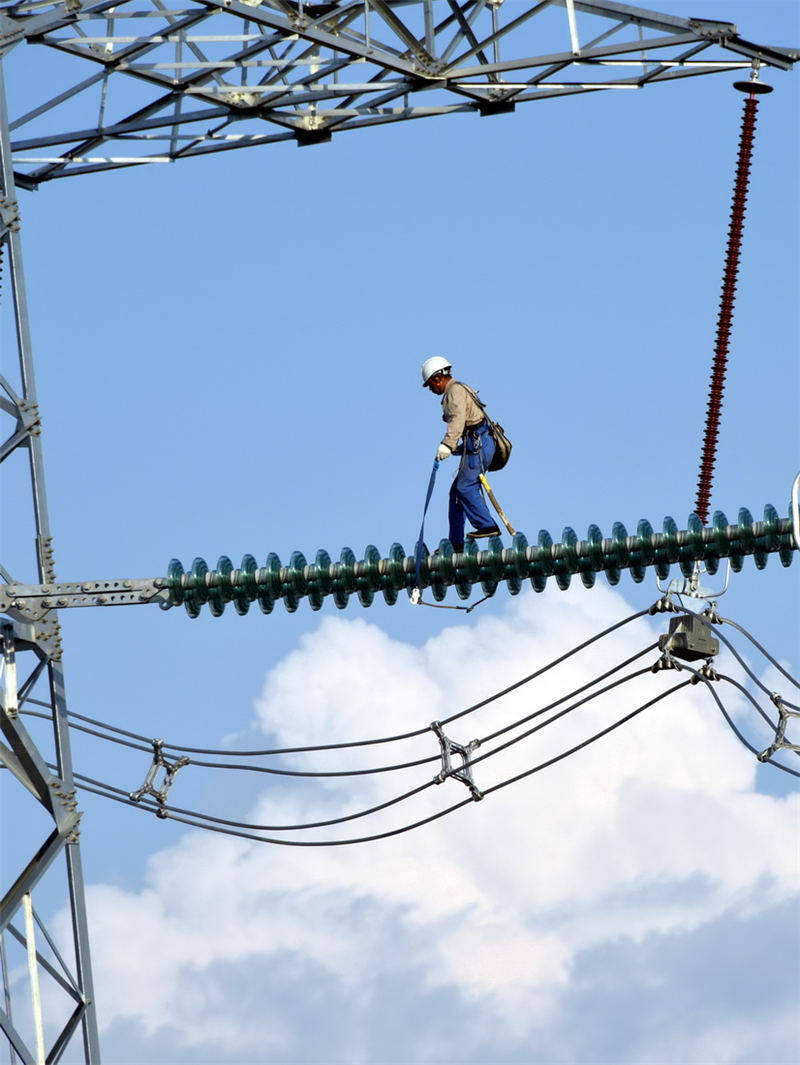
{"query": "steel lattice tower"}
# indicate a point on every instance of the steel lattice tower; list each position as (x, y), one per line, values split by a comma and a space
(131, 85)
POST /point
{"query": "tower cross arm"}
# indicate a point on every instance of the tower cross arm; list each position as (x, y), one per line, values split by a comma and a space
(34, 601)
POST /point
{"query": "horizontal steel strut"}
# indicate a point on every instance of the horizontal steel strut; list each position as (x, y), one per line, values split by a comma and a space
(136, 82)
(267, 584)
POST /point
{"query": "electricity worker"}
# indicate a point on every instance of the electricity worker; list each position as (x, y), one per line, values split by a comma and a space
(467, 435)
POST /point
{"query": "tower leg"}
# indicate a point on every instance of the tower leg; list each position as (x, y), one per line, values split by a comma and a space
(46, 779)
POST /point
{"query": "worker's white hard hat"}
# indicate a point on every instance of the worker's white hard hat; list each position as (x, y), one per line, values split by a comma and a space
(435, 364)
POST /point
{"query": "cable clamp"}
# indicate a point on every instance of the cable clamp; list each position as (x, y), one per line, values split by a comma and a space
(664, 605)
(779, 743)
(464, 771)
(711, 614)
(705, 672)
(169, 768)
(666, 661)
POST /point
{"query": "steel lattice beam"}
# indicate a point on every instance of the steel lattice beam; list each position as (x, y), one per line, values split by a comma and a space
(159, 83)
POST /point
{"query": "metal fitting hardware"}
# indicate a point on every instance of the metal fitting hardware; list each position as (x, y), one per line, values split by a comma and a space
(47, 558)
(692, 588)
(666, 661)
(36, 600)
(664, 605)
(9, 214)
(464, 772)
(169, 768)
(779, 743)
(706, 671)
(689, 638)
(711, 614)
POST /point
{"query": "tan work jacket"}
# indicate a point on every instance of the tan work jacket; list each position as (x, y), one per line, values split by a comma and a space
(460, 411)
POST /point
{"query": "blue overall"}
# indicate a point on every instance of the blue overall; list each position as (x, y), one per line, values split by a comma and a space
(466, 500)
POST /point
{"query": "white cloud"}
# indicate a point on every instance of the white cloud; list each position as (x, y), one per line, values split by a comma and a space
(655, 831)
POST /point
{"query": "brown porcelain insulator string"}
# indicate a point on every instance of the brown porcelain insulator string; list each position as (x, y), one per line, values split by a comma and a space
(728, 298)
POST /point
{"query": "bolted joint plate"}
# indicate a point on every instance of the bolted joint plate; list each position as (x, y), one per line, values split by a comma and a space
(35, 602)
(42, 636)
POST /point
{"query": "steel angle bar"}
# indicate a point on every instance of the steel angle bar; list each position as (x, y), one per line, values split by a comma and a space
(129, 60)
(63, 977)
(54, 791)
(31, 875)
(643, 16)
(401, 31)
(12, 443)
(467, 32)
(16, 1042)
(33, 976)
(61, 1041)
(783, 58)
(312, 31)
(16, 26)
(26, 416)
(564, 59)
(97, 136)
(456, 21)
(15, 765)
(138, 120)
(498, 34)
(7, 405)
(125, 128)
(21, 756)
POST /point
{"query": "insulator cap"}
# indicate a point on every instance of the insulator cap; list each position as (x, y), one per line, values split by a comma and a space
(752, 86)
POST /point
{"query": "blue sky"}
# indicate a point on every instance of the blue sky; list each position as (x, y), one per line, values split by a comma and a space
(228, 361)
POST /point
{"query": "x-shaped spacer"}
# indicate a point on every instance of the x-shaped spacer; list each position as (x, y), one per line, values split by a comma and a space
(464, 771)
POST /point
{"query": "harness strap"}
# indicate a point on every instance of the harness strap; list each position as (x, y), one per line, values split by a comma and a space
(421, 537)
(416, 594)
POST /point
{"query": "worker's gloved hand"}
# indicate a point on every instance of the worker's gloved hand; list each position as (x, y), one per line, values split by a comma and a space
(443, 453)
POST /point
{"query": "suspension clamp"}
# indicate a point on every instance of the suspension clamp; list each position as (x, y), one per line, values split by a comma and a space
(664, 605)
(779, 743)
(462, 773)
(692, 586)
(170, 769)
(689, 638)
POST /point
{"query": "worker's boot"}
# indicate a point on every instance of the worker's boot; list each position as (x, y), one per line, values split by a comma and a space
(485, 530)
